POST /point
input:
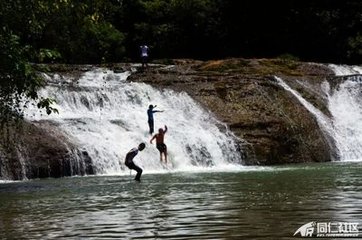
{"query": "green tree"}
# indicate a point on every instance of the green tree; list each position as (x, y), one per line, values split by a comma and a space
(19, 82)
(78, 30)
(18, 79)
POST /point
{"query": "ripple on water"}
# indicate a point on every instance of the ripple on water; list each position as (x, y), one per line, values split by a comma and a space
(267, 204)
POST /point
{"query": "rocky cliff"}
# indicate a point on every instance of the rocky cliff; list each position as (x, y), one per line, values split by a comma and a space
(275, 127)
(39, 150)
(272, 125)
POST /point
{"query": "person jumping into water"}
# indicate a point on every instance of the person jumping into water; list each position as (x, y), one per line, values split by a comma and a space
(150, 113)
(129, 160)
(160, 145)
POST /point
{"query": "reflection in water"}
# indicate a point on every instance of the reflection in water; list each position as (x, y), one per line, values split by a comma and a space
(268, 204)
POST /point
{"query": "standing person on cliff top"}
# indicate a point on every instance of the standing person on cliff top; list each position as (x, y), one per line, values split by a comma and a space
(144, 55)
(150, 113)
(129, 160)
(160, 145)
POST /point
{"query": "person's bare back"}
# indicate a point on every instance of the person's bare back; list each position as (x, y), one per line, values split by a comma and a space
(160, 137)
(160, 145)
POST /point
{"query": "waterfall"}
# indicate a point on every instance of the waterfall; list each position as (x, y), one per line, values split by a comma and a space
(345, 70)
(323, 121)
(105, 115)
(344, 104)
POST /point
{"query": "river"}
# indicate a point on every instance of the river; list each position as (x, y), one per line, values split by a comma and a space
(253, 203)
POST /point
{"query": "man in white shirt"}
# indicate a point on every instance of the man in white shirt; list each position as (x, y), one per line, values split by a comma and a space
(129, 160)
(144, 55)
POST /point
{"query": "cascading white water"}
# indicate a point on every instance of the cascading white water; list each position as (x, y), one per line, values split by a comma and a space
(344, 103)
(345, 70)
(324, 122)
(345, 125)
(106, 116)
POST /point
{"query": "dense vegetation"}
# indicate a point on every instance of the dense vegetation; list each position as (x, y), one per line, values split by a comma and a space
(89, 31)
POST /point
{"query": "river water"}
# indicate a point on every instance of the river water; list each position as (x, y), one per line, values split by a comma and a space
(254, 203)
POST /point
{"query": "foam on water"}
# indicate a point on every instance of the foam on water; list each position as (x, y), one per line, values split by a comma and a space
(106, 116)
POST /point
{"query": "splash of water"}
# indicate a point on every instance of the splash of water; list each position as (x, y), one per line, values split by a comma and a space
(345, 70)
(345, 125)
(106, 116)
(323, 121)
(344, 103)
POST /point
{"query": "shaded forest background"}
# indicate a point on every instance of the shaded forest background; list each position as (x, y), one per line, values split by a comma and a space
(104, 31)
(99, 31)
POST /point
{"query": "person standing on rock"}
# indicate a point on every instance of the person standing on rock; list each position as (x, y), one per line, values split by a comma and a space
(160, 145)
(144, 55)
(150, 113)
(129, 160)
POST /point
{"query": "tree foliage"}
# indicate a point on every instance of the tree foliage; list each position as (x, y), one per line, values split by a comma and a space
(111, 30)
(17, 78)
(19, 82)
(323, 30)
(89, 31)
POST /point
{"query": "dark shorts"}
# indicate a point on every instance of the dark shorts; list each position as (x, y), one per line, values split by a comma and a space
(144, 59)
(131, 165)
(161, 147)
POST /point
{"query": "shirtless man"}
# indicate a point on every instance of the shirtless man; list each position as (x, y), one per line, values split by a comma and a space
(161, 146)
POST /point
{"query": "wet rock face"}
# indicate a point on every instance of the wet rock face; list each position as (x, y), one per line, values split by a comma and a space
(243, 93)
(39, 150)
(273, 127)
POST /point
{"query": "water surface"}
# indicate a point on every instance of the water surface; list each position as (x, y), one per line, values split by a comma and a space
(270, 203)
